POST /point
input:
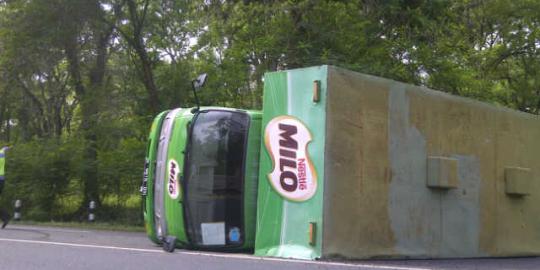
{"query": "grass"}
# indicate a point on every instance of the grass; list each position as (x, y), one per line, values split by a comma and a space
(84, 225)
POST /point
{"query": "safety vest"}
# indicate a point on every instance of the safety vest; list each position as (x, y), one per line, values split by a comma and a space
(2, 162)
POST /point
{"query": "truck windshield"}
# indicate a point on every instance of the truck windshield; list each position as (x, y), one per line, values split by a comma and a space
(214, 178)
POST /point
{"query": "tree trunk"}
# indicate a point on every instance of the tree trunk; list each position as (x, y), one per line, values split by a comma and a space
(148, 78)
(137, 43)
(88, 121)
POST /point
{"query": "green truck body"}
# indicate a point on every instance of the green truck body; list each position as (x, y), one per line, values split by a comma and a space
(347, 165)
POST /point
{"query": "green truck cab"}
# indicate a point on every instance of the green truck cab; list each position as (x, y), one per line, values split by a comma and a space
(200, 180)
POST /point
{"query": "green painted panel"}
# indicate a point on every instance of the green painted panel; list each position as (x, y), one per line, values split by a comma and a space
(269, 203)
(283, 224)
(251, 178)
(150, 167)
(174, 173)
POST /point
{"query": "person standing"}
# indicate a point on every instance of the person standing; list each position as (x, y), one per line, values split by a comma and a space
(3, 214)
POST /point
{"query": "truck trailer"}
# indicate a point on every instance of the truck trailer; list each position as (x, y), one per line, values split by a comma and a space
(340, 164)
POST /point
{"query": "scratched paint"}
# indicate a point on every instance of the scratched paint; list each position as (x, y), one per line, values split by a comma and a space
(425, 221)
(415, 212)
(461, 211)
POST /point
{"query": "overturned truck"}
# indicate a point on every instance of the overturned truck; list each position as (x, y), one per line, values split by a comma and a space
(342, 164)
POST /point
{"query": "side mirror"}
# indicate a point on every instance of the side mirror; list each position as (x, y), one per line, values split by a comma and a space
(199, 82)
(196, 85)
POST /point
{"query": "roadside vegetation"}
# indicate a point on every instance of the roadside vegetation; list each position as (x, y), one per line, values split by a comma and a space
(81, 80)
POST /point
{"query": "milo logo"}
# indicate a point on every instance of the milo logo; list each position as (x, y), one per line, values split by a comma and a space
(293, 175)
(173, 187)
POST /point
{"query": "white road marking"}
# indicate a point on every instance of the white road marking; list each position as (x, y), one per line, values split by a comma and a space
(250, 257)
(78, 245)
(47, 229)
(235, 256)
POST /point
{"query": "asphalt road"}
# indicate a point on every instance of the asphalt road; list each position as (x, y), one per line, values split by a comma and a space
(46, 248)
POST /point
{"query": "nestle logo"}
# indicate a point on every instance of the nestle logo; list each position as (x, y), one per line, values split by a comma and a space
(293, 175)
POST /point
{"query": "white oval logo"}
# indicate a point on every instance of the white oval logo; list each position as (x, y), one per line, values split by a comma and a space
(293, 175)
(173, 187)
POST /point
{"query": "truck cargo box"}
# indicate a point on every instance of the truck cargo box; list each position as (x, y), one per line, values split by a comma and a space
(356, 166)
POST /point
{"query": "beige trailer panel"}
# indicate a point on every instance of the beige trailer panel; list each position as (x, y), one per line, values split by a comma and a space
(412, 172)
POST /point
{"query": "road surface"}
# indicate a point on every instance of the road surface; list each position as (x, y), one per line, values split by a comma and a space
(48, 248)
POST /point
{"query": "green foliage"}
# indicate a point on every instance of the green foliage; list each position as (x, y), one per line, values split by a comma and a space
(120, 177)
(41, 173)
(81, 80)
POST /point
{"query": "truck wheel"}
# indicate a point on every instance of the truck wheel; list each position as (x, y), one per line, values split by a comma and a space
(169, 243)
